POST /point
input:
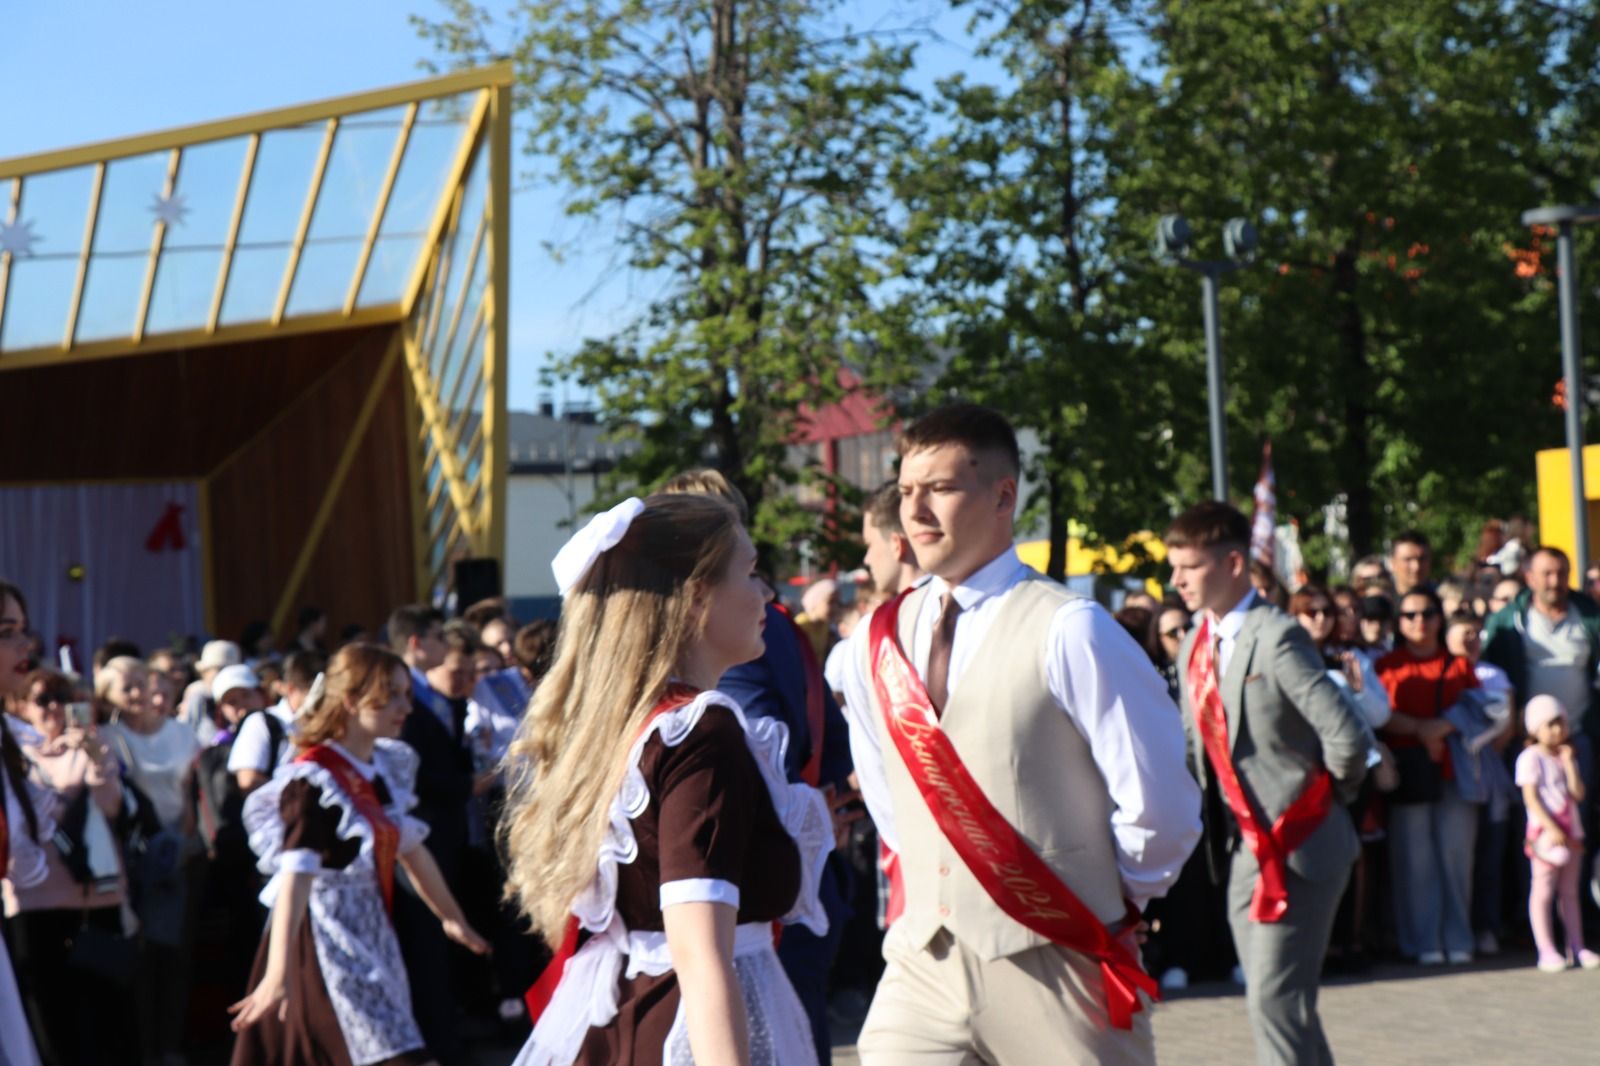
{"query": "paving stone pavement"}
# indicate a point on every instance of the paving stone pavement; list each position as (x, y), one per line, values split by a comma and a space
(1499, 1012)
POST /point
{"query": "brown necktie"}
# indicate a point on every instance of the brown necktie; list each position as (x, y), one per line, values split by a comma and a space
(944, 638)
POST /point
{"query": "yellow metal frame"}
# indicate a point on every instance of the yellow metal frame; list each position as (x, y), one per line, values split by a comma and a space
(472, 516)
(1553, 473)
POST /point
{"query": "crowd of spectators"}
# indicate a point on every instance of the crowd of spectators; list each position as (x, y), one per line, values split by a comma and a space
(1480, 685)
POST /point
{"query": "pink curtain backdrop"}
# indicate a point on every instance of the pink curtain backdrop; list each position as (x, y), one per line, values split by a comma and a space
(105, 560)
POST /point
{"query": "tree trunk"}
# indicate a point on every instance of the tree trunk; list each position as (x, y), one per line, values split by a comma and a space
(1353, 460)
(1056, 494)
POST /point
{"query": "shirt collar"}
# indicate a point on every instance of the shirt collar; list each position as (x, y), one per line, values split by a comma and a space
(368, 770)
(990, 579)
(1230, 624)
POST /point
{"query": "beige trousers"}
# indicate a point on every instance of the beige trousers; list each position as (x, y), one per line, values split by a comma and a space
(944, 1006)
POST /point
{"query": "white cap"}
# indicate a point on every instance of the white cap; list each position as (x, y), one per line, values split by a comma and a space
(217, 654)
(232, 677)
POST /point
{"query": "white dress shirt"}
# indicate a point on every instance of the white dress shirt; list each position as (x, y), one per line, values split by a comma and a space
(252, 748)
(1105, 684)
(1227, 632)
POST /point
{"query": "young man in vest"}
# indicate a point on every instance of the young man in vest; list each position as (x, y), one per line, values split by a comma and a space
(1020, 754)
(1279, 750)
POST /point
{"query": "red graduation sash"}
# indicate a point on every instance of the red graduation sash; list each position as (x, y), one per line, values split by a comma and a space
(537, 997)
(385, 834)
(1011, 873)
(1271, 848)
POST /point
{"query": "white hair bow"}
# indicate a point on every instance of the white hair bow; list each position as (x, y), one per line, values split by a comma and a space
(313, 696)
(603, 533)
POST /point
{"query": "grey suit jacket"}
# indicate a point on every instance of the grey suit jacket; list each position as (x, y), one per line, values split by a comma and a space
(1286, 720)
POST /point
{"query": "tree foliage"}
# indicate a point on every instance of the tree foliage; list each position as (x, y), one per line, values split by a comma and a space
(738, 147)
(1394, 338)
(1385, 339)
(800, 207)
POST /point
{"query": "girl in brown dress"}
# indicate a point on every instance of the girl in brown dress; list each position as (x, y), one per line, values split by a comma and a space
(653, 838)
(329, 987)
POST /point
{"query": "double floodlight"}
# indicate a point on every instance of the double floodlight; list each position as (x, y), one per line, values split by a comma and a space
(1173, 235)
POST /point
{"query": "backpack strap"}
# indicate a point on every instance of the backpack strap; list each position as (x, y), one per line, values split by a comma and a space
(275, 736)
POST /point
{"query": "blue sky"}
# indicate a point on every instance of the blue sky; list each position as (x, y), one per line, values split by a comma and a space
(89, 70)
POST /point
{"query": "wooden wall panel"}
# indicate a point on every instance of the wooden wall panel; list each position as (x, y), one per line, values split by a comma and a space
(263, 502)
(163, 416)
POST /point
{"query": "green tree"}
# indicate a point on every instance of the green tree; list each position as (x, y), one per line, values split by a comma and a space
(739, 147)
(1385, 339)
(1019, 248)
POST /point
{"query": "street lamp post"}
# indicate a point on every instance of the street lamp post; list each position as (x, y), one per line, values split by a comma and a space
(1238, 240)
(1566, 220)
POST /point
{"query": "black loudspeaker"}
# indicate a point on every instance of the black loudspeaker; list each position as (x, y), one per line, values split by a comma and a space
(474, 580)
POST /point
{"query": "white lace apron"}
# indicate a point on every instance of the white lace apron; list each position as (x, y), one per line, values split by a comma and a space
(357, 951)
(780, 1034)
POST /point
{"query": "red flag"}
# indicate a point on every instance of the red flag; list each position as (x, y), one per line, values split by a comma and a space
(1266, 517)
(168, 531)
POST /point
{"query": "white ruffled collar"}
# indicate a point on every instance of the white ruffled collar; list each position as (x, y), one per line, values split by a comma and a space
(797, 806)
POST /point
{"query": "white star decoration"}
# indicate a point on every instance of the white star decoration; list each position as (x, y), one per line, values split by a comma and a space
(17, 238)
(169, 209)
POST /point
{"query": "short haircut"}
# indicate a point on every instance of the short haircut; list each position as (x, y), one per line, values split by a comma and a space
(115, 648)
(301, 668)
(1210, 524)
(883, 509)
(412, 620)
(1371, 561)
(52, 683)
(483, 612)
(1551, 550)
(704, 481)
(1305, 596)
(1463, 618)
(1411, 536)
(461, 636)
(1435, 604)
(1377, 609)
(983, 431)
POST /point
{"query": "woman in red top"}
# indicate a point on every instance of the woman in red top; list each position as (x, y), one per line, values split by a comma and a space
(1431, 828)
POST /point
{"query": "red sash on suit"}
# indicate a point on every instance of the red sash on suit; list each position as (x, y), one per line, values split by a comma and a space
(1271, 848)
(1011, 873)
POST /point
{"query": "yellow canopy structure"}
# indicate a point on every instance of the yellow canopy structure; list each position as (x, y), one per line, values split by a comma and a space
(301, 312)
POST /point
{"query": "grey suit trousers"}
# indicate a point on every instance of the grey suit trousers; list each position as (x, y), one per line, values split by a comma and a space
(1282, 964)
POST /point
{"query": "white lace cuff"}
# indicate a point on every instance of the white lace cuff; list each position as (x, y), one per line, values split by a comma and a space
(300, 861)
(700, 890)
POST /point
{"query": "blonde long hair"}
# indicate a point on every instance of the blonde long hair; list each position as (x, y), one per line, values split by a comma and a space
(624, 629)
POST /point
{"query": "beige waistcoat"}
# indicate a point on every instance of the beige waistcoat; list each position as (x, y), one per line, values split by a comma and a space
(1030, 760)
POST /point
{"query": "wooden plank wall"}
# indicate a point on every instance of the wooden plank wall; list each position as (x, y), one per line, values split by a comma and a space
(263, 500)
(265, 422)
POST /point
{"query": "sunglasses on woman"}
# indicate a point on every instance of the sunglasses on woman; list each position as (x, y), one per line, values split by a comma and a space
(1407, 616)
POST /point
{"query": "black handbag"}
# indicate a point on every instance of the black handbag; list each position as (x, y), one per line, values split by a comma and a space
(1421, 779)
(109, 956)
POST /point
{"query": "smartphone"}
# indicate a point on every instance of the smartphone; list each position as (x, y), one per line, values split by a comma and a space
(81, 714)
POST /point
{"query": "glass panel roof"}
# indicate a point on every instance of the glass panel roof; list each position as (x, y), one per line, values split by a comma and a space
(171, 253)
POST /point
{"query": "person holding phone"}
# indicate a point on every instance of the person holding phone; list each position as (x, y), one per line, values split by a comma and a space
(80, 1013)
